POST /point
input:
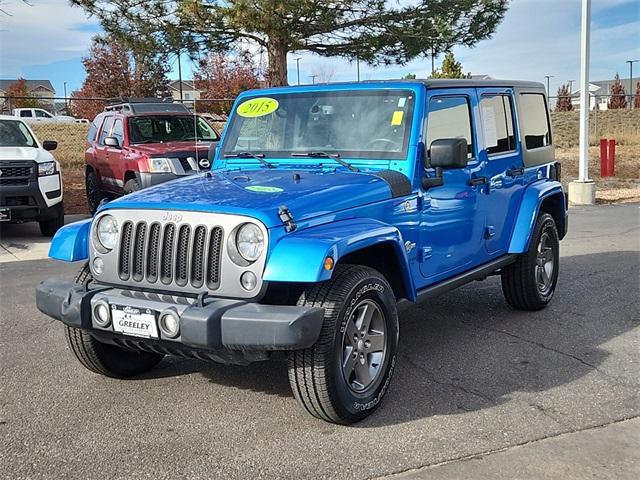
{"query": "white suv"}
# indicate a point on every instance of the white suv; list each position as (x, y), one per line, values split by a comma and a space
(30, 180)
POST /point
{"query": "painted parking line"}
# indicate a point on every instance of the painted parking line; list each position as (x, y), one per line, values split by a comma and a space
(23, 241)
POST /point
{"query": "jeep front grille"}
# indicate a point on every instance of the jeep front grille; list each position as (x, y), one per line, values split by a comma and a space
(169, 254)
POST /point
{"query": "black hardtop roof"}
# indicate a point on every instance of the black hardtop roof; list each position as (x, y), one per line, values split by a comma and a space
(443, 83)
(473, 83)
(145, 105)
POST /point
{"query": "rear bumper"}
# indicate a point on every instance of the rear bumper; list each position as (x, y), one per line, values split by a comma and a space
(215, 324)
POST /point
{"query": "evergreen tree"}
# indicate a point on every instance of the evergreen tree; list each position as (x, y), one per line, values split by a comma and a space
(375, 31)
(618, 97)
(636, 101)
(563, 102)
(450, 68)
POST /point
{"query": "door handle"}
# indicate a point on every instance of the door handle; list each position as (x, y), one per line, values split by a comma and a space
(475, 181)
(515, 172)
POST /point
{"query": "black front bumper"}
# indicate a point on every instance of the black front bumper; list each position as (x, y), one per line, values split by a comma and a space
(215, 324)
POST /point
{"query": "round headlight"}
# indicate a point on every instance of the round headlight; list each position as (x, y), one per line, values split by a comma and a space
(250, 242)
(107, 232)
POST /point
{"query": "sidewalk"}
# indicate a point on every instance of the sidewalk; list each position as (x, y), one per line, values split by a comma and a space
(23, 241)
(608, 452)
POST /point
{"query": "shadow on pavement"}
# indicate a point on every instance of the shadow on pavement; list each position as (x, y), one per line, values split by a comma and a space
(468, 350)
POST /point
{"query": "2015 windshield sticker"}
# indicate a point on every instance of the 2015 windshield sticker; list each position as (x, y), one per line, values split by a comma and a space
(257, 107)
(263, 189)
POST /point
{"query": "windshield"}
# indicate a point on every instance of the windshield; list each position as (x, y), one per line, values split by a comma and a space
(14, 133)
(169, 128)
(367, 124)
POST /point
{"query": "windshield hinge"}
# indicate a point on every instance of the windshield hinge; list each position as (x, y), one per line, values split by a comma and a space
(286, 218)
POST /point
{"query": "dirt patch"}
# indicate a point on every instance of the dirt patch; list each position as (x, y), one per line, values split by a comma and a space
(624, 187)
(75, 200)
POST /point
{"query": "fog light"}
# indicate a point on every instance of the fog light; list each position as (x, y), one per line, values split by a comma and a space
(169, 324)
(101, 314)
(98, 265)
(248, 280)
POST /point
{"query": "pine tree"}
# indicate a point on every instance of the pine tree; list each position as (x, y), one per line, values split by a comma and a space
(563, 102)
(636, 101)
(618, 97)
(375, 31)
(450, 68)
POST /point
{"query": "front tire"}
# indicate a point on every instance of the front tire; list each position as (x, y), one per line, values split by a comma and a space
(102, 358)
(95, 196)
(344, 376)
(530, 282)
(131, 186)
(48, 228)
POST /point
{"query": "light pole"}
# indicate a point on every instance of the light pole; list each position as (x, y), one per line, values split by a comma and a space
(548, 77)
(297, 59)
(583, 191)
(571, 87)
(66, 103)
(631, 95)
(358, 67)
(313, 79)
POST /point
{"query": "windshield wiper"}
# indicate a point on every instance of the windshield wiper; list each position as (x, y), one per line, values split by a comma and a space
(257, 156)
(333, 156)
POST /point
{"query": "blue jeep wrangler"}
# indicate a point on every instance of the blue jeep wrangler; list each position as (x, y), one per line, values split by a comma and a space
(326, 205)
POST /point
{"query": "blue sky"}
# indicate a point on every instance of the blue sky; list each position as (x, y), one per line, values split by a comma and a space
(537, 37)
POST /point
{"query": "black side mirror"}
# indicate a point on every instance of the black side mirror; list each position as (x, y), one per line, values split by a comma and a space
(49, 145)
(448, 153)
(112, 142)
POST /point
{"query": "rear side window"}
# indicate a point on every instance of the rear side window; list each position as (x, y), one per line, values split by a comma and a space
(449, 117)
(93, 129)
(534, 120)
(497, 124)
(106, 127)
(42, 114)
(25, 113)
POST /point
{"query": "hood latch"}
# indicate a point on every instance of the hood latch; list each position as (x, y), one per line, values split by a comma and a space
(286, 218)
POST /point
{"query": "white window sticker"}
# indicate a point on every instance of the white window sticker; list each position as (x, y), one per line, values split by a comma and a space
(489, 127)
(401, 102)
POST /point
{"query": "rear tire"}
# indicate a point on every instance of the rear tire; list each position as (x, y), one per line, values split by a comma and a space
(344, 376)
(95, 196)
(102, 358)
(530, 282)
(48, 228)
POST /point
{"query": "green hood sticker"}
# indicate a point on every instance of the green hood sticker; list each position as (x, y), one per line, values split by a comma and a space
(263, 189)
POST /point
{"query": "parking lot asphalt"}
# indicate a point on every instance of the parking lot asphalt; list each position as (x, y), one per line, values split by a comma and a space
(474, 378)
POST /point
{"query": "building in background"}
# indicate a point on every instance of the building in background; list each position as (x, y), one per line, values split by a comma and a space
(599, 93)
(36, 88)
(189, 92)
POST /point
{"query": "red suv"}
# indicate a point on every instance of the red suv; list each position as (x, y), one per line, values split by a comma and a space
(140, 143)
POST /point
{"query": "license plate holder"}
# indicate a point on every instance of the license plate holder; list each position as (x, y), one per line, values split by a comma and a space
(5, 214)
(134, 321)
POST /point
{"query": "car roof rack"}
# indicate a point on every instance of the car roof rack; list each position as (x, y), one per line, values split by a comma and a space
(145, 105)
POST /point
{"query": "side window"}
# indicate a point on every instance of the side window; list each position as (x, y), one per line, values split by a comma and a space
(534, 120)
(42, 114)
(106, 127)
(26, 113)
(497, 124)
(449, 117)
(117, 130)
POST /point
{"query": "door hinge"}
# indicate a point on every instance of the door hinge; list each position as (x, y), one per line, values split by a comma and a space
(424, 253)
(489, 232)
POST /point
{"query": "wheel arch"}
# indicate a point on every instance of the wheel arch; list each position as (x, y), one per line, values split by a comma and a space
(541, 197)
(365, 242)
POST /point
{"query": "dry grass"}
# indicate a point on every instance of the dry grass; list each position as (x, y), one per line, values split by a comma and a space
(71, 138)
(621, 125)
